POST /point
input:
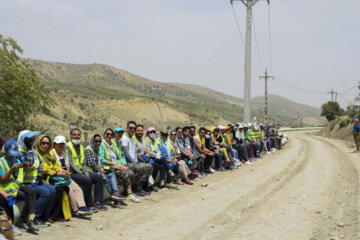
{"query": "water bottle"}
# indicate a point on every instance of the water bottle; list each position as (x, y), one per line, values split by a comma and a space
(11, 200)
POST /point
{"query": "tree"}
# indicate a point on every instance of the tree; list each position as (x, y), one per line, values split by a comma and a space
(21, 92)
(331, 110)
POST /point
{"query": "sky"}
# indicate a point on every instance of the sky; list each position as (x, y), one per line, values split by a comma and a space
(314, 43)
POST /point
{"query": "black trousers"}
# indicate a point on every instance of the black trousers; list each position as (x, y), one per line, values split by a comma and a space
(57, 207)
(28, 195)
(86, 183)
(9, 210)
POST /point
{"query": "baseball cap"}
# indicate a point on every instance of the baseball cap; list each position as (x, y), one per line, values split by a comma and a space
(29, 134)
(164, 132)
(221, 127)
(150, 129)
(11, 147)
(119, 129)
(59, 139)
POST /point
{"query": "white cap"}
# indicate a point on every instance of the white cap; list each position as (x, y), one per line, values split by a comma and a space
(221, 127)
(249, 125)
(241, 126)
(59, 139)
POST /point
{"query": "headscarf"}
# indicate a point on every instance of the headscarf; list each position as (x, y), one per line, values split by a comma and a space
(254, 125)
(92, 143)
(108, 147)
(47, 156)
(26, 133)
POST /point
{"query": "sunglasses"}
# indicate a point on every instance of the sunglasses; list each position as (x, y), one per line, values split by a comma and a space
(173, 134)
(109, 134)
(152, 132)
(132, 128)
(99, 141)
(45, 143)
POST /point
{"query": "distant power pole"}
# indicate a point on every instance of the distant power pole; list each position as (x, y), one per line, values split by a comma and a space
(247, 83)
(266, 77)
(332, 92)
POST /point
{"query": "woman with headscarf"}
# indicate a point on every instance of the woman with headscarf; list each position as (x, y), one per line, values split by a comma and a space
(109, 163)
(175, 151)
(53, 174)
(45, 193)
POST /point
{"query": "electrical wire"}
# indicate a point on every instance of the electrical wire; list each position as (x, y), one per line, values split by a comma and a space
(257, 45)
(270, 44)
(238, 26)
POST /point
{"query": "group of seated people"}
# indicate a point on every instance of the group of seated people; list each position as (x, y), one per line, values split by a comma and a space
(58, 179)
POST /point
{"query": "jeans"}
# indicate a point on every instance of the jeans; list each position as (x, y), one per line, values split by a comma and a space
(235, 153)
(164, 167)
(111, 183)
(146, 158)
(45, 198)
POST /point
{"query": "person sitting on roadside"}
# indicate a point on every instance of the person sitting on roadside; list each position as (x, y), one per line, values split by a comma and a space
(142, 152)
(53, 174)
(278, 137)
(154, 153)
(33, 177)
(184, 146)
(123, 173)
(219, 154)
(247, 140)
(266, 138)
(76, 198)
(198, 158)
(81, 175)
(11, 179)
(228, 140)
(176, 152)
(205, 153)
(6, 203)
(167, 160)
(142, 170)
(356, 133)
(108, 164)
(219, 141)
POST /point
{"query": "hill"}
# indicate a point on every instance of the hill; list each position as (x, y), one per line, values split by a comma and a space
(93, 96)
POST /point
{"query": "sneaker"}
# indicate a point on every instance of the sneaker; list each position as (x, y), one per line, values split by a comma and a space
(93, 209)
(23, 226)
(133, 198)
(248, 163)
(118, 197)
(121, 204)
(174, 178)
(188, 182)
(167, 186)
(48, 222)
(84, 211)
(56, 220)
(212, 170)
(141, 193)
(154, 189)
(268, 152)
(203, 174)
(39, 223)
(100, 206)
(31, 226)
(227, 160)
(15, 230)
(195, 171)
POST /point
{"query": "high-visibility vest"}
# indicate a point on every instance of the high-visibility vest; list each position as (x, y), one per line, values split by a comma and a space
(254, 133)
(13, 185)
(202, 141)
(53, 152)
(33, 171)
(153, 146)
(171, 147)
(106, 155)
(137, 143)
(75, 159)
(90, 148)
(118, 151)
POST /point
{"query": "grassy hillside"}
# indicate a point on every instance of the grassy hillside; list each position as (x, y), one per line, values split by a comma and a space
(94, 96)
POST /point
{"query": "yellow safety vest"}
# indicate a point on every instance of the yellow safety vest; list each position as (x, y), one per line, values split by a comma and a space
(154, 147)
(137, 142)
(32, 174)
(202, 141)
(75, 159)
(13, 185)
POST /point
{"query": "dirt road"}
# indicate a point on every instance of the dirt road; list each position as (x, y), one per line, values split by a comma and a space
(309, 190)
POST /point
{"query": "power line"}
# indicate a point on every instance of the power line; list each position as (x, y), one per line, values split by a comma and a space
(257, 45)
(349, 90)
(270, 47)
(238, 26)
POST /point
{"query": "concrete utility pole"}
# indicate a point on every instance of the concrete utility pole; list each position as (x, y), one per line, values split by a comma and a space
(266, 77)
(247, 82)
(332, 92)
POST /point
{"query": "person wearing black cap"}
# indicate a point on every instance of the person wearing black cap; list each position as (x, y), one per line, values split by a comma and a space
(11, 170)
